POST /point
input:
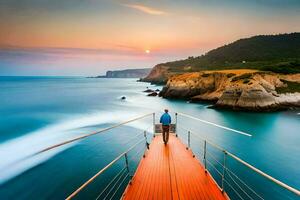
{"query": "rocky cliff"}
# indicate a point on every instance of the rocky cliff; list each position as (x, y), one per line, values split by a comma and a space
(276, 53)
(127, 73)
(158, 75)
(237, 89)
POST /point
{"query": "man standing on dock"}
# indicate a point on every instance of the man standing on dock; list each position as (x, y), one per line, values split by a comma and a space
(165, 120)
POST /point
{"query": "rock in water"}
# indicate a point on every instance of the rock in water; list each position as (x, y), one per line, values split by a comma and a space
(153, 94)
(149, 91)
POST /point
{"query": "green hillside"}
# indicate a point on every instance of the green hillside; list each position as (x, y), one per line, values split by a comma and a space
(277, 53)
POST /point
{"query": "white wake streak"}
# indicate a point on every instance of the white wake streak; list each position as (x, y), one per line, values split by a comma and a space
(14, 153)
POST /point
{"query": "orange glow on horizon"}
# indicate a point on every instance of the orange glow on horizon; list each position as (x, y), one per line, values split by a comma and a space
(144, 29)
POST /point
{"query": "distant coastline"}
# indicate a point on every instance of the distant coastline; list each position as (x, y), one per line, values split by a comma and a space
(127, 73)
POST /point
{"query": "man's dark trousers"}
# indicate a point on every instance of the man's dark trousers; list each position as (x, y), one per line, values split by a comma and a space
(165, 132)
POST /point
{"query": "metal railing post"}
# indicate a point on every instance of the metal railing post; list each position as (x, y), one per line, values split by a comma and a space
(153, 124)
(224, 168)
(127, 166)
(204, 156)
(176, 124)
(126, 161)
(189, 139)
(224, 174)
(146, 143)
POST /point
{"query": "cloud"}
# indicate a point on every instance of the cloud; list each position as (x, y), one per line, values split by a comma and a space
(117, 51)
(146, 9)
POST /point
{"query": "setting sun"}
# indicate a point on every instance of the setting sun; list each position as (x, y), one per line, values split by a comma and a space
(194, 99)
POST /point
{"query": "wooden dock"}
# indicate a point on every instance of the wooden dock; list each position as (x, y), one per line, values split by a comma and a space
(171, 172)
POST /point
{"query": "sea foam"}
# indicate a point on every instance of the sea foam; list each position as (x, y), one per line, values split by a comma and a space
(16, 153)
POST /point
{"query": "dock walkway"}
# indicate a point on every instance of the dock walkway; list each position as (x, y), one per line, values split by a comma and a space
(171, 172)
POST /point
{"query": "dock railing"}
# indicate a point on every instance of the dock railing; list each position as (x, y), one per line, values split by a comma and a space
(118, 180)
(123, 176)
(215, 160)
(216, 165)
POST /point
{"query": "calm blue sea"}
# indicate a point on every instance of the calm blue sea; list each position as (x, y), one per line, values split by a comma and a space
(36, 112)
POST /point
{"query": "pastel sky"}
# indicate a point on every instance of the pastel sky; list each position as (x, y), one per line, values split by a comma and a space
(88, 37)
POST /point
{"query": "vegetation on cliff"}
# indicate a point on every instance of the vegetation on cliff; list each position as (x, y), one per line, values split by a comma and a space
(276, 53)
(289, 87)
(260, 73)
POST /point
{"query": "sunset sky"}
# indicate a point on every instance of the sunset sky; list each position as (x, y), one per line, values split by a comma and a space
(88, 37)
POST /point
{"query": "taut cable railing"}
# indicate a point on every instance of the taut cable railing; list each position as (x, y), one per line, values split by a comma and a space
(125, 155)
(228, 180)
(125, 174)
(213, 124)
(86, 136)
(94, 133)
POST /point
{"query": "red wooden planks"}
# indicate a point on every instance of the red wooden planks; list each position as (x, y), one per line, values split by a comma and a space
(171, 172)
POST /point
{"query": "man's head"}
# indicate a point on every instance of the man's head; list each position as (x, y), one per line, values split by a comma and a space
(166, 110)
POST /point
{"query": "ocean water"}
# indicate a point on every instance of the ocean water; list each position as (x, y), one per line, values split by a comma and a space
(37, 112)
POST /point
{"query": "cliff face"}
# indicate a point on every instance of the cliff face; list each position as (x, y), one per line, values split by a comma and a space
(158, 75)
(127, 73)
(238, 88)
(235, 89)
(276, 53)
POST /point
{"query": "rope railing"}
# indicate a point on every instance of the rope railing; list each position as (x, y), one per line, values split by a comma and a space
(212, 165)
(109, 184)
(297, 192)
(241, 189)
(228, 170)
(93, 133)
(86, 136)
(238, 194)
(214, 124)
(207, 155)
(214, 158)
(133, 138)
(115, 182)
(124, 154)
(201, 138)
(118, 177)
(119, 186)
(228, 177)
